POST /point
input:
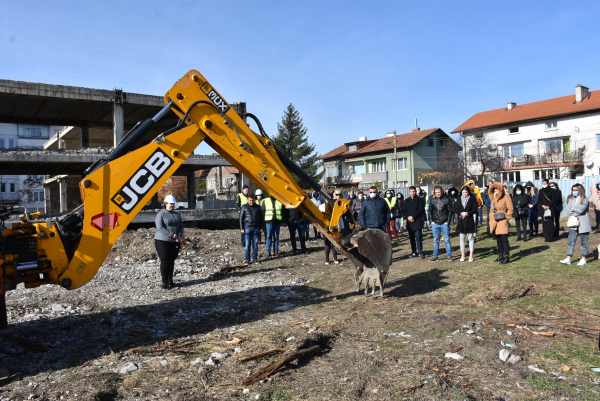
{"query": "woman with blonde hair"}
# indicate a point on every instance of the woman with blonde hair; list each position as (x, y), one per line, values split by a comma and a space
(579, 224)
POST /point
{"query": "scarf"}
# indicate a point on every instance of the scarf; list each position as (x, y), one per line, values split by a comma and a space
(465, 200)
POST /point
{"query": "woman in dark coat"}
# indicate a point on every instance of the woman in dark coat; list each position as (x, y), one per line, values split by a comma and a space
(465, 208)
(521, 203)
(454, 195)
(548, 200)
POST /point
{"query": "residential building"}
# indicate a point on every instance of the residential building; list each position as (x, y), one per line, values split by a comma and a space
(369, 162)
(222, 183)
(21, 189)
(556, 138)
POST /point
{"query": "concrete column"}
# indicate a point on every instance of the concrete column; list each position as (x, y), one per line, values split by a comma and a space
(62, 186)
(118, 123)
(47, 204)
(191, 184)
(85, 137)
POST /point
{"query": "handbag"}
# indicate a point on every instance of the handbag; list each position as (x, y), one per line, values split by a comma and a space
(498, 216)
(547, 212)
(573, 222)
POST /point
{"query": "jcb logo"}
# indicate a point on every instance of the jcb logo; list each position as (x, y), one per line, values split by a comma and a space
(142, 181)
(215, 98)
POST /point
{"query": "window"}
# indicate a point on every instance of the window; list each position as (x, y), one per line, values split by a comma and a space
(2, 187)
(357, 168)
(441, 143)
(11, 143)
(475, 155)
(551, 173)
(402, 184)
(12, 187)
(333, 171)
(229, 182)
(514, 150)
(378, 167)
(352, 148)
(212, 184)
(513, 130)
(400, 164)
(2, 143)
(550, 125)
(511, 176)
(56, 131)
(554, 146)
(430, 143)
(33, 131)
(597, 142)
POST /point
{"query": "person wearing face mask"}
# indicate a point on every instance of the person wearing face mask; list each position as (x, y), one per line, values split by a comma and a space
(502, 212)
(356, 203)
(374, 211)
(548, 200)
(485, 202)
(579, 224)
(414, 211)
(400, 218)
(454, 197)
(521, 202)
(559, 208)
(466, 208)
(391, 201)
(167, 240)
(534, 195)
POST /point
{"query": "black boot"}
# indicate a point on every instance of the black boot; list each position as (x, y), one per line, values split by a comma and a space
(499, 258)
(504, 261)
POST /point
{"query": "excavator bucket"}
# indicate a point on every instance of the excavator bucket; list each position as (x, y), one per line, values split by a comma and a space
(371, 255)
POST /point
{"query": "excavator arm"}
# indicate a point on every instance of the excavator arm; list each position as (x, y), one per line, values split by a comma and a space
(69, 250)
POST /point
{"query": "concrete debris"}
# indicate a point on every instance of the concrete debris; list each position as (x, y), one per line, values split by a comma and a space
(197, 361)
(401, 334)
(239, 350)
(218, 355)
(129, 367)
(536, 369)
(211, 362)
(453, 355)
(164, 362)
(58, 308)
(504, 355)
(514, 359)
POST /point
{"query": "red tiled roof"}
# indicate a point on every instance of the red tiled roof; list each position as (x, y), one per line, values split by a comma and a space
(532, 111)
(232, 170)
(402, 141)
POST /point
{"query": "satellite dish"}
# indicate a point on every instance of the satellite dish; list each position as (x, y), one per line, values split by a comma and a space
(589, 163)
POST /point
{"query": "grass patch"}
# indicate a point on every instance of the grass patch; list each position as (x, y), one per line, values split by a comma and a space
(395, 347)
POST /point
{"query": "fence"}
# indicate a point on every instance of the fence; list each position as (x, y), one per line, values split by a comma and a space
(216, 204)
(565, 187)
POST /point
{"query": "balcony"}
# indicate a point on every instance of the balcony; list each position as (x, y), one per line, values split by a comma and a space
(375, 177)
(543, 159)
(357, 178)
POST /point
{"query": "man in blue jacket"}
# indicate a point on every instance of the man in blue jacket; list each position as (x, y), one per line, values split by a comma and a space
(374, 212)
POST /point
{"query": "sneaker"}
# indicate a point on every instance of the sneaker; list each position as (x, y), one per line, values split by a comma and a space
(582, 262)
(247, 262)
(449, 259)
(412, 255)
(566, 261)
(326, 263)
(421, 256)
(256, 262)
(433, 259)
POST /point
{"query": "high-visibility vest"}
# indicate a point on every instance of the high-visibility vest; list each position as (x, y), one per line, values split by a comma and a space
(243, 199)
(391, 204)
(269, 209)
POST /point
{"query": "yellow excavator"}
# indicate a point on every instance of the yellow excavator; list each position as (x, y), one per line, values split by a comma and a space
(69, 250)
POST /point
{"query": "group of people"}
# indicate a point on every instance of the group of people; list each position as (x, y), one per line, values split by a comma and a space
(388, 211)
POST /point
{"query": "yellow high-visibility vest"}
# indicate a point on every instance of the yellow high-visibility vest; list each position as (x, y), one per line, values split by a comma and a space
(269, 209)
(392, 204)
(243, 199)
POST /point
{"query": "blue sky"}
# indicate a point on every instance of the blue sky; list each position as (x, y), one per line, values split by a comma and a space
(351, 68)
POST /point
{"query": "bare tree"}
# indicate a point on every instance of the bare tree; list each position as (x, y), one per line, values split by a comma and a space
(482, 157)
(450, 166)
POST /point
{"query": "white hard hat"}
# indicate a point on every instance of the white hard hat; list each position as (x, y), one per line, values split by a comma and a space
(258, 192)
(170, 199)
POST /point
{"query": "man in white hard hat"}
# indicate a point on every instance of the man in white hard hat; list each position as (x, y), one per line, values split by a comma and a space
(258, 195)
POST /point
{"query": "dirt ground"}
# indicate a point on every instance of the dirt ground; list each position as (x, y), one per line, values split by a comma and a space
(71, 345)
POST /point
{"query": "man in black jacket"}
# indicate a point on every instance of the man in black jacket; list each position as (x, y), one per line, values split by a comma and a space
(296, 223)
(374, 212)
(559, 208)
(440, 211)
(251, 222)
(241, 199)
(414, 210)
(548, 199)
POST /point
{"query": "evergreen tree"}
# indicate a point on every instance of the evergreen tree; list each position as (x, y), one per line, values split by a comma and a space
(292, 141)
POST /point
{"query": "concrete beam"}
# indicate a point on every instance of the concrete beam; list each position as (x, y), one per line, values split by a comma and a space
(118, 123)
(148, 216)
(84, 136)
(47, 204)
(62, 184)
(191, 187)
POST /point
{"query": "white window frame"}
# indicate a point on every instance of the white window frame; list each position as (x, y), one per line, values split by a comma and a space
(395, 164)
(378, 166)
(511, 132)
(352, 168)
(510, 150)
(553, 126)
(335, 169)
(560, 149)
